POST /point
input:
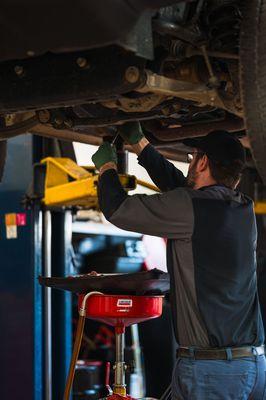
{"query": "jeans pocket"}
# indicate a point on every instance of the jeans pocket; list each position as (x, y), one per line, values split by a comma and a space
(225, 386)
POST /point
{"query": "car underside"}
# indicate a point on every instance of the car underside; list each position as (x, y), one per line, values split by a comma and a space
(182, 68)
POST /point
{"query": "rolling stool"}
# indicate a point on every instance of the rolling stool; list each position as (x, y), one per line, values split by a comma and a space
(119, 311)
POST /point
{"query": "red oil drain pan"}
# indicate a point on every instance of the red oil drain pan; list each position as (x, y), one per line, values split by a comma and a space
(122, 310)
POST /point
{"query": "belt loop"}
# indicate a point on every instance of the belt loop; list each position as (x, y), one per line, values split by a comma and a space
(255, 352)
(177, 351)
(229, 356)
(191, 353)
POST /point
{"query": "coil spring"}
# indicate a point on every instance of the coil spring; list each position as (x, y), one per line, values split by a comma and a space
(223, 19)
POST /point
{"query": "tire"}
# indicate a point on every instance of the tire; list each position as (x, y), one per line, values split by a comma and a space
(253, 78)
(3, 148)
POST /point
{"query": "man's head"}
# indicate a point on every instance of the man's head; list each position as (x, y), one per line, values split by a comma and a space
(218, 158)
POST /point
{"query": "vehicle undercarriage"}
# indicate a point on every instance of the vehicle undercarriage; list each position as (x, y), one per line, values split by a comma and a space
(182, 69)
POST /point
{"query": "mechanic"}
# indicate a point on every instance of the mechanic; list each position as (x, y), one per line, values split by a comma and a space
(211, 258)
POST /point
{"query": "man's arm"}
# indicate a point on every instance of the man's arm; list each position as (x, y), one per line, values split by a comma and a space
(162, 172)
(167, 215)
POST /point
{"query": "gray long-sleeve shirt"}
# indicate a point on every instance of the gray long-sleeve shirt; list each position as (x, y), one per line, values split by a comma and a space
(211, 251)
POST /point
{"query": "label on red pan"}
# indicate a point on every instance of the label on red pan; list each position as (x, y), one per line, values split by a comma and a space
(124, 303)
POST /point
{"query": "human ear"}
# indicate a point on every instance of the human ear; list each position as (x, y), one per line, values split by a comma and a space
(203, 163)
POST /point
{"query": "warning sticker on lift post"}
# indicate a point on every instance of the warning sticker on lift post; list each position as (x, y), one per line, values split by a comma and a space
(11, 226)
(12, 221)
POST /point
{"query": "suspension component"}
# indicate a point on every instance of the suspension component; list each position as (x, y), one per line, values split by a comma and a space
(223, 19)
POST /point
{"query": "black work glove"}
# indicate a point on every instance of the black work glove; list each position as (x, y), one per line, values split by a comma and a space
(131, 132)
(103, 155)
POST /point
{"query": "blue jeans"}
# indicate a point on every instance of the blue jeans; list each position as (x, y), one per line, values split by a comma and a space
(219, 380)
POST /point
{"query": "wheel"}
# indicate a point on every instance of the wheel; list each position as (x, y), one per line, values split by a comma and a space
(253, 78)
(3, 146)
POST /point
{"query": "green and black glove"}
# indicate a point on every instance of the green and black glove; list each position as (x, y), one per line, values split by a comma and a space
(105, 153)
(131, 132)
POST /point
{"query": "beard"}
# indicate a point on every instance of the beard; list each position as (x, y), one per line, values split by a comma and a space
(191, 176)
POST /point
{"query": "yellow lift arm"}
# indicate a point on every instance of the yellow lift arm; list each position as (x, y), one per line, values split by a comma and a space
(68, 184)
(260, 207)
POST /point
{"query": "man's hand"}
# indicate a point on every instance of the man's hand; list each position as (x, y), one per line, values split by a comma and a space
(105, 157)
(132, 134)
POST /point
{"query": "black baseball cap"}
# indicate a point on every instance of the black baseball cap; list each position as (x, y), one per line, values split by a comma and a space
(219, 146)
